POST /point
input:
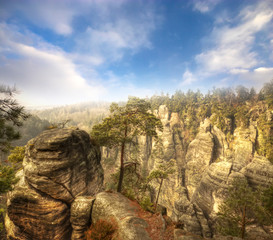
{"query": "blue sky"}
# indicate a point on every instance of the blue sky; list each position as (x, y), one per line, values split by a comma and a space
(59, 52)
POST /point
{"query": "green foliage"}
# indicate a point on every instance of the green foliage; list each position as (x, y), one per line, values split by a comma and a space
(7, 178)
(11, 115)
(242, 116)
(157, 101)
(243, 206)
(160, 173)
(134, 186)
(16, 156)
(267, 92)
(102, 230)
(134, 118)
(146, 204)
(133, 183)
(123, 125)
(265, 144)
(2, 212)
(267, 198)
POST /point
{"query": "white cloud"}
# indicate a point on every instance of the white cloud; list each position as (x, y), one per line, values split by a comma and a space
(49, 14)
(257, 77)
(44, 74)
(188, 78)
(238, 70)
(234, 43)
(205, 6)
(108, 29)
(119, 33)
(263, 70)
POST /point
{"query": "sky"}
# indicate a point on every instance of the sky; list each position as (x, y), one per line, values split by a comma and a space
(60, 52)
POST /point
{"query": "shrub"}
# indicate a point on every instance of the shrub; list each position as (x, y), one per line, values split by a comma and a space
(102, 230)
(146, 204)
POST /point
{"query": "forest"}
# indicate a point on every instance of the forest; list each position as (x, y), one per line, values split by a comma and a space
(227, 108)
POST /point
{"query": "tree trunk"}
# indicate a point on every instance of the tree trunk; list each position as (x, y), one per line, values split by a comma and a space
(121, 171)
(243, 223)
(156, 202)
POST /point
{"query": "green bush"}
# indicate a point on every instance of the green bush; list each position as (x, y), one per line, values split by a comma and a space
(146, 204)
(7, 178)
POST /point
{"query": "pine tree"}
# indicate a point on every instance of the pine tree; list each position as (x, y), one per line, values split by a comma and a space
(123, 125)
(11, 115)
(243, 206)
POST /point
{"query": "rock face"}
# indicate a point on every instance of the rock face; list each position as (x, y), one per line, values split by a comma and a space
(80, 216)
(59, 165)
(199, 157)
(114, 205)
(204, 168)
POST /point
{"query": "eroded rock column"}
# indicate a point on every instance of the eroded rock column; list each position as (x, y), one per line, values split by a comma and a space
(59, 165)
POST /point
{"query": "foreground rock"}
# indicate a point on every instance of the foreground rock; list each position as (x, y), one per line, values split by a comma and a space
(118, 208)
(59, 165)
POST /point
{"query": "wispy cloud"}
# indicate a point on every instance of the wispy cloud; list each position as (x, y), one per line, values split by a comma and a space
(257, 77)
(42, 72)
(48, 14)
(204, 6)
(234, 44)
(108, 31)
(233, 52)
(188, 78)
(121, 32)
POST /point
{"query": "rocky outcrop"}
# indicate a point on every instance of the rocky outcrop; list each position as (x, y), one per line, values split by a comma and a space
(119, 209)
(244, 146)
(199, 157)
(259, 172)
(80, 216)
(59, 165)
(204, 168)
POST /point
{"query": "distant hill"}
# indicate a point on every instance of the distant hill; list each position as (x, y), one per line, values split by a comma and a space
(83, 115)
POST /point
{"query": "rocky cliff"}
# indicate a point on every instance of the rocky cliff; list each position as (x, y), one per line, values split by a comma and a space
(59, 166)
(204, 168)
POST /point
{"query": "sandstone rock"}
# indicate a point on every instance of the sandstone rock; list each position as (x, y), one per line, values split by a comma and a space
(63, 164)
(211, 190)
(80, 216)
(218, 237)
(190, 216)
(59, 165)
(259, 172)
(179, 234)
(255, 232)
(243, 146)
(114, 205)
(35, 216)
(163, 113)
(175, 120)
(221, 149)
(199, 157)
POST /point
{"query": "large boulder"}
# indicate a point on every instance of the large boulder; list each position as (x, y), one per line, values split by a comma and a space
(80, 216)
(116, 207)
(259, 172)
(59, 165)
(63, 164)
(31, 215)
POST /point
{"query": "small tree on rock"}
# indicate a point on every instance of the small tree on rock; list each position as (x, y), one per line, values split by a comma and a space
(123, 125)
(160, 173)
(243, 206)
